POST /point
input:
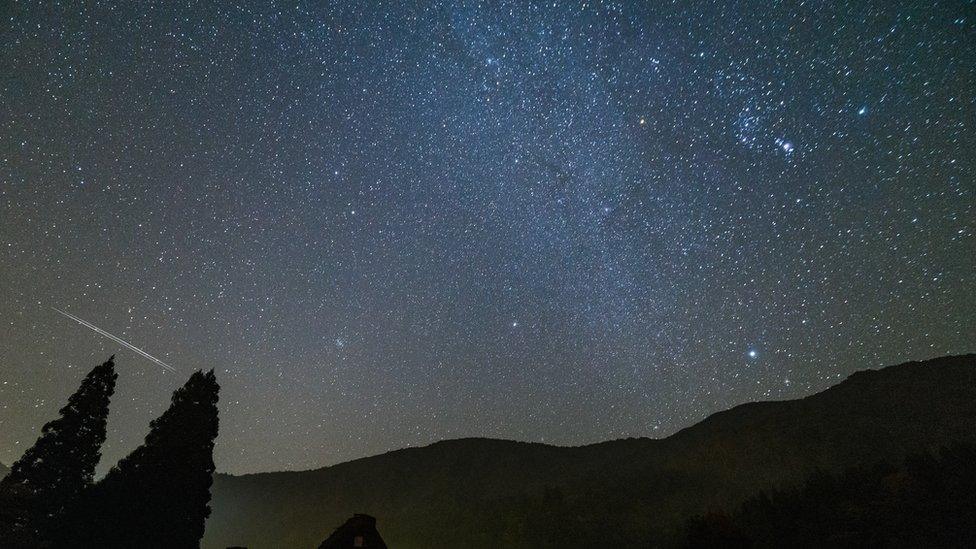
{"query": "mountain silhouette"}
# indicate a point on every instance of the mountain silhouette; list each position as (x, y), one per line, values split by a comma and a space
(492, 493)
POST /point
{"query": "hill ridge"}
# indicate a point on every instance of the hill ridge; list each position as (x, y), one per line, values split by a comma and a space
(477, 491)
(858, 375)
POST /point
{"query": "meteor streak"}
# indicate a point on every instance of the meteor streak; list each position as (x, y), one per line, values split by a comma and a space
(118, 340)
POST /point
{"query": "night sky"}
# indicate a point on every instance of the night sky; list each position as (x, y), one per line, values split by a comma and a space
(389, 223)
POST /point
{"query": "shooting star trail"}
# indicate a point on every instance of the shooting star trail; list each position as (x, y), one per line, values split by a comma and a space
(118, 340)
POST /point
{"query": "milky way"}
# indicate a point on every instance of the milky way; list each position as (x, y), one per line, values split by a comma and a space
(389, 223)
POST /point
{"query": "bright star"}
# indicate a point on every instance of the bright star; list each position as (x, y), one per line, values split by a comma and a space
(752, 353)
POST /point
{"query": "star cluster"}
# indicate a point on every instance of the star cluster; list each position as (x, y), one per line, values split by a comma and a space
(389, 223)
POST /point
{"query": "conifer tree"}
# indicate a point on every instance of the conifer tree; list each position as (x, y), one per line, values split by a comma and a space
(52, 474)
(159, 495)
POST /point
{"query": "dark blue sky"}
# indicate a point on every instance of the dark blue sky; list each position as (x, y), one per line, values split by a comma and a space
(388, 223)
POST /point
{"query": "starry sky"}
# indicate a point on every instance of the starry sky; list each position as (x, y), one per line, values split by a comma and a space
(389, 223)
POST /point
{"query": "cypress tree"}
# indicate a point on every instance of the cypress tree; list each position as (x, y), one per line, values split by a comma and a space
(159, 495)
(52, 474)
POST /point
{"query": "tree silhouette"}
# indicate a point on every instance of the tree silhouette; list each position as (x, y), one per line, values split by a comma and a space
(928, 501)
(159, 495)
(52, 473)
